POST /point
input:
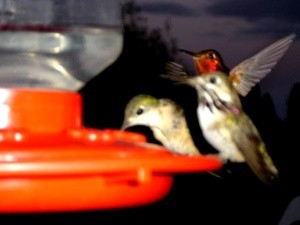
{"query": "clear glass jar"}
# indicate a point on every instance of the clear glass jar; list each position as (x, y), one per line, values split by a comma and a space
(57, 44)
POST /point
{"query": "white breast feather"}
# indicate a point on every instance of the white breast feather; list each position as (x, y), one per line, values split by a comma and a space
(219, 138)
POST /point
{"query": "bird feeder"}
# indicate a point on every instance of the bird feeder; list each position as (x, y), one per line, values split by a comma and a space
(50, 162)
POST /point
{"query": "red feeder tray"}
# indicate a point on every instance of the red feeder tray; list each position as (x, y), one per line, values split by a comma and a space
(50, 163)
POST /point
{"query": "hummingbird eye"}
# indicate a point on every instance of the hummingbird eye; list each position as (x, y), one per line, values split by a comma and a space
(213, 80)
(139, 111)
(211, 55)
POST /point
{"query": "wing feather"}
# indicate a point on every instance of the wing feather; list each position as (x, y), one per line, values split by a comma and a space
(250, 71)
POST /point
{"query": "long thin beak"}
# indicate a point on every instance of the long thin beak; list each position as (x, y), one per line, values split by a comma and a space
(125, 126)
(187, 52)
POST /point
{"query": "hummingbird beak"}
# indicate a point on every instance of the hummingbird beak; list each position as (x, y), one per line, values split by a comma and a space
(125, 125)
(187, 52)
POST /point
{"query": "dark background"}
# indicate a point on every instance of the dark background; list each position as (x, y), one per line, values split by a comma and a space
(196, 198)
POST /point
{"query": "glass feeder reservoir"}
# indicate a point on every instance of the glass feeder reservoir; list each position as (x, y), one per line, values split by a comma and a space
(49, 161)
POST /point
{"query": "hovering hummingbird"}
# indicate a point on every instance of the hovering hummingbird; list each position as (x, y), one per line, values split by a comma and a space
(227, 127)
(243, 76)
(165, 118)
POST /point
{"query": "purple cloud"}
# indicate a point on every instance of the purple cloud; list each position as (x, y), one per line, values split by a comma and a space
(287, 10)
(175, 9)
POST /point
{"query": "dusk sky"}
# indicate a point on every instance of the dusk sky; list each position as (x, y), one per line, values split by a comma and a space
(238, 30)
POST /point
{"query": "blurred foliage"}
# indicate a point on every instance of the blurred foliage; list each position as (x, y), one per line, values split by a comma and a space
(145, 50)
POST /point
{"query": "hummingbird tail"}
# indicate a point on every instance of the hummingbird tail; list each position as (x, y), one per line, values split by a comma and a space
(264, 169)
(254, 152)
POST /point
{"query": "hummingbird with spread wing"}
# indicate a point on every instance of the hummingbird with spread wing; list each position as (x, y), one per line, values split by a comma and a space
(227, 127)
(243, 76)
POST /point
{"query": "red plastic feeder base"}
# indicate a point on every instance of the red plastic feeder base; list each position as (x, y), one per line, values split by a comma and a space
(49, 162)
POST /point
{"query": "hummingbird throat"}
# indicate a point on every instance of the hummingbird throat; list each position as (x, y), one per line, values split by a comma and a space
(206, 67)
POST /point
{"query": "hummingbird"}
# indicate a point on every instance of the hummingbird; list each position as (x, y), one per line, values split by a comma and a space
(165, 118)
(246, 74)
(227, 127)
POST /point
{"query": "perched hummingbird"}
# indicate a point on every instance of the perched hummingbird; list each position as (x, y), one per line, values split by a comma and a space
(227, 127)
(165, 118)
(243, 76)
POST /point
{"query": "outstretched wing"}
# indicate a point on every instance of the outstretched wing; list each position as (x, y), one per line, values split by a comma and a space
(176, 72)
(249, 72)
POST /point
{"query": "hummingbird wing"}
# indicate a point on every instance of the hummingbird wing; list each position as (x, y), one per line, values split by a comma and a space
(250, 144)
(176, 71)
(250, 71)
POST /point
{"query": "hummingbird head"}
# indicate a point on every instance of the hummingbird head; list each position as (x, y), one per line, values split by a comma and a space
(141, 110)
(217, 90)
(208, 60)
